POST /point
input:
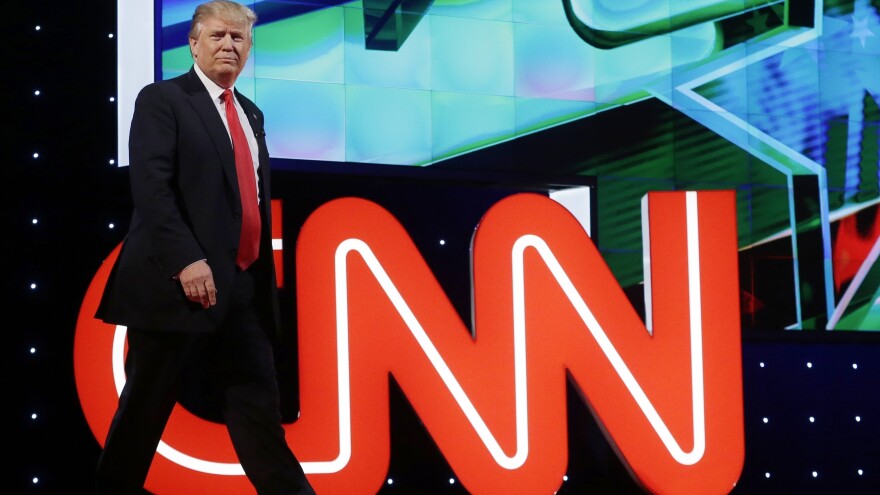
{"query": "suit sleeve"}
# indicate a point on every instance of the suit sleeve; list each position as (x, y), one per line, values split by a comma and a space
(153, 148)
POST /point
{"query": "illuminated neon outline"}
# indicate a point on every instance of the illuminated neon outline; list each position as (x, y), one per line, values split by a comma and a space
(464, 403)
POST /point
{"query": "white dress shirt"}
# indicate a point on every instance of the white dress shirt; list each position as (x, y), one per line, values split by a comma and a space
(216, 91)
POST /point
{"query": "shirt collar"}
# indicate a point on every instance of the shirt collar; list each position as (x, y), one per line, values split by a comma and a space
(213, 89)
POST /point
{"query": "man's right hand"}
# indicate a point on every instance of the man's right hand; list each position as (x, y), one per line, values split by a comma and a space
(198, 284)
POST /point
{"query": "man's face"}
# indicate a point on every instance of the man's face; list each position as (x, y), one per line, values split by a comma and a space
(221, 50)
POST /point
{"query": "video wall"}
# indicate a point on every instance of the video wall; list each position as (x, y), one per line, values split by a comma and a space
(374, 82)
(775, 99)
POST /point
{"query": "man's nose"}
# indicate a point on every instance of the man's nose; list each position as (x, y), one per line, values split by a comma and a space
(226, 42)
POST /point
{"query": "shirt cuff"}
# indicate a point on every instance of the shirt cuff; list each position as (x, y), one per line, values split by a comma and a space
(177, 276)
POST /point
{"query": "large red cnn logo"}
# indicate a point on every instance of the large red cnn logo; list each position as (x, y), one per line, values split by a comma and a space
(668, 392)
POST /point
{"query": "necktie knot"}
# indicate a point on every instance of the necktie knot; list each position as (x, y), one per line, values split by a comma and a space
(226, 96)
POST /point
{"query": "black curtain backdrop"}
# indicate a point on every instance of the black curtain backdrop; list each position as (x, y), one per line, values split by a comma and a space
(74, 193)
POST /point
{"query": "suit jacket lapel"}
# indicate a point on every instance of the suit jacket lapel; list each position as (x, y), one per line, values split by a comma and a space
(201, 101)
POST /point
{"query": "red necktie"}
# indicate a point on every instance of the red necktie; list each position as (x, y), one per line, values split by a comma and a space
(249, 244)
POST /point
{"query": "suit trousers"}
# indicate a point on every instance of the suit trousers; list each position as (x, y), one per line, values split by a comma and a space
(240, 361)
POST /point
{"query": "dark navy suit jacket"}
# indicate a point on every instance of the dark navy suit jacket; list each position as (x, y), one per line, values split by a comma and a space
(187, 207)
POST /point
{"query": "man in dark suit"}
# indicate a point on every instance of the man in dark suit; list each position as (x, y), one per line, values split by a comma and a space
(186, 283)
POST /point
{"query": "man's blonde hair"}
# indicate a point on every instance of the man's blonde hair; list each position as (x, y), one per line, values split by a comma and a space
(222, 9)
